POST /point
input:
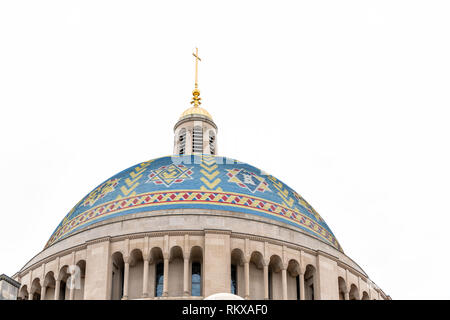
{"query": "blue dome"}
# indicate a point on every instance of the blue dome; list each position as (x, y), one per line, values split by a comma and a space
(189, 182)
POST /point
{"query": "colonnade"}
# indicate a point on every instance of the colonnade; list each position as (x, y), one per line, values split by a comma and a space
(349, 291)
(68, 284)
(144, 271)
(277, 280)
(174, 268)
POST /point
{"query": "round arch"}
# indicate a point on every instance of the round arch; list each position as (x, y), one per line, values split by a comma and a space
(256, 274)
(342, 289)
(293, 280)
(365, 296)
(275, 281)
(237, 272)
(117, 275)
(353, 293)
(35, 291)
(23, 293)
(50, 285)
(310, 282)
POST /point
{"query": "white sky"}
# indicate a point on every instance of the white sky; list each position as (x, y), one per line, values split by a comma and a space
(345, 101)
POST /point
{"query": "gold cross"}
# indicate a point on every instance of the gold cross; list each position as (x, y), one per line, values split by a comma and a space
(197, 59)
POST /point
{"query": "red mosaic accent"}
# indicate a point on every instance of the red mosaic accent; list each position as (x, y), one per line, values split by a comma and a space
(210, 197)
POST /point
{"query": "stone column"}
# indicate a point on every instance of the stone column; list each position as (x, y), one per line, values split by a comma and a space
(145, 279)
(57, 289)
(30, 296)
(72, 279)
(72, 285)
(186, 277)
(166, 278)
(346, 295)
(284, 282)
(126, 275)
(43, 291)
(302, 286)
(266, 281)
(247, 279)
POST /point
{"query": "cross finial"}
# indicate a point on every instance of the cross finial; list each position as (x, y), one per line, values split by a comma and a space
(197, 59)
(196, 93)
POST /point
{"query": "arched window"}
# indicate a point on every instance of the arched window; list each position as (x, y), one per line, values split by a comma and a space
(182, 141)
(212, 144)
(159, 279)
(354, 292)
(197, 141)
(310, 275)
(117, 280)
(233, 279)
(342, 289)
(62, 291)
(196, 279)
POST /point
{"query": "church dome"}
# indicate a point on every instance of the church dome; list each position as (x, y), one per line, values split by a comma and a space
(195, 111)
(194, 182)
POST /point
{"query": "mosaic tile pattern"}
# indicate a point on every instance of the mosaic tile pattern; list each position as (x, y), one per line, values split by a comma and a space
(201, 181)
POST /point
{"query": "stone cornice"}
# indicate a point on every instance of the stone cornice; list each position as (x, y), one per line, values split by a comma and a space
(327, 255)
(218, 231)
(273, 241)
(52, 257)
(156, 234)
(209, 212)
(98, 240)
(194, 118)
(343, 265)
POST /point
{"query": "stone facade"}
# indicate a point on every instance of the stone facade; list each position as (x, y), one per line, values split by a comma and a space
(117, 259)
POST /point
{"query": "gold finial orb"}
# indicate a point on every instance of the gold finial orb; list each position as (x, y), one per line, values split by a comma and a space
(196, 98)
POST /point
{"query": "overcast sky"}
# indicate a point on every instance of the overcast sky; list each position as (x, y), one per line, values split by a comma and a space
(347, 102)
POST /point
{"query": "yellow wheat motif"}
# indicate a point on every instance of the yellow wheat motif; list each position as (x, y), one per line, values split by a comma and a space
(209, 173)
(131, 182)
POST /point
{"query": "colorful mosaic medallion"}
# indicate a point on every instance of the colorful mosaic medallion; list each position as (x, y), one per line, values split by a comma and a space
(248, 180)
(167, 175)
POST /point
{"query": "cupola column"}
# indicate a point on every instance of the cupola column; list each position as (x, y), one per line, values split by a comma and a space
(145, 278)
(57, 288)
(43, 291)
(186, 276)
(247, 279)
(166, 277)
(72, 287)
(72, 278)
(266, 280)
(126, 277)
(301, 277)
(284, 281)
